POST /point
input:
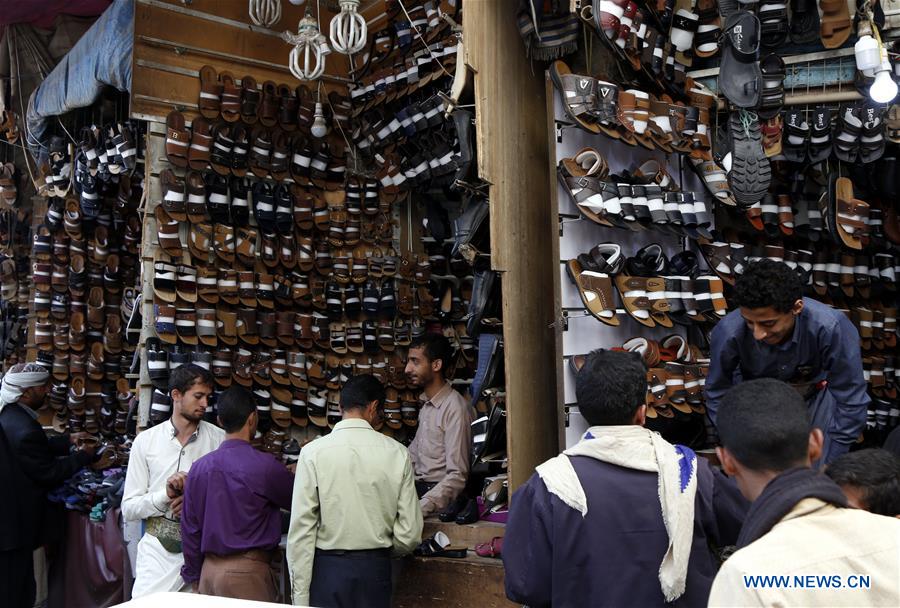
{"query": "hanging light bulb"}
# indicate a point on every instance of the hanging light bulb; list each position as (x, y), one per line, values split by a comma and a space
(265, 13)
(348, 29)
(318, 128)
(307, 59)
(884, 89)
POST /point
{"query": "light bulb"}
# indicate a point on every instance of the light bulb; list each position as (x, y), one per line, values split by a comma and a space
(296, 2)
(868, 56)
(307, 59)
(884, 89)
(319, 128)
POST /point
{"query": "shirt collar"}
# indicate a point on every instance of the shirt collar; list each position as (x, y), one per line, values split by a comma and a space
(352, 423)
(30, 412)
(233, 443)
(173, 433)
(439, 397)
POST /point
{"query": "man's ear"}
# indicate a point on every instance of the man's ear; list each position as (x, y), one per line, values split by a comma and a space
(816, 441)
(798, 307)
(727, 461)
(437, 365)
(640, 416)
(175, 394)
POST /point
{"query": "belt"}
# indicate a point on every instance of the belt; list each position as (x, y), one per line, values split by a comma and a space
(259, 555)
(354, 553)
(422, 487)
(808, 390)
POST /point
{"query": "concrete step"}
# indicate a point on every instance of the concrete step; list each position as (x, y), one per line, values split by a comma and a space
(468, 535)
(451, 583)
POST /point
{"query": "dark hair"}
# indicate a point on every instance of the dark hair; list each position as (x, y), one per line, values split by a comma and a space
(187, 375)
(235, 406)
(876, 473)
(358, 391)
(768, 283)
(765, 425)
(610, 387)
(436, 347)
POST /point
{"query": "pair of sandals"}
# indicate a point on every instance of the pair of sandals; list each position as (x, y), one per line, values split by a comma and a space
(860, 135)
(807, 140)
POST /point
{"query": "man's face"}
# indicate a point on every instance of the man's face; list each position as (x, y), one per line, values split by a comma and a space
(34, 396)
(192, 403)
(769, 325)
(418, 368)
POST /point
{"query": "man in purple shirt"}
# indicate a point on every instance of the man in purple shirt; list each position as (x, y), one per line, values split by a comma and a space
(231, 519)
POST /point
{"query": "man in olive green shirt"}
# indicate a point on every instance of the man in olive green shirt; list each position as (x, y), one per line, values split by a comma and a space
(354, 506)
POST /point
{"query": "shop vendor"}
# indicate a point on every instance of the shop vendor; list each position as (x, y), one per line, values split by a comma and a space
(777, 333)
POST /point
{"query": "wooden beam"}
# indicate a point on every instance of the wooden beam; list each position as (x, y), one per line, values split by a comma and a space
(513, 156)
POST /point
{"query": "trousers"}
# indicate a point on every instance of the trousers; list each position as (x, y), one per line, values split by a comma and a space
(351, 579)
(17, 578)
(244, 576)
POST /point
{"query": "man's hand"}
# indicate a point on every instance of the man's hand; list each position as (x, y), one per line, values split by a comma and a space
(292, 468)
(78, 438)
(195, 587)
(176, 505)
(175, 484)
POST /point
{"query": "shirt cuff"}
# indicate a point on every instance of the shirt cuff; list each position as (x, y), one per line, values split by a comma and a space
(160, 500)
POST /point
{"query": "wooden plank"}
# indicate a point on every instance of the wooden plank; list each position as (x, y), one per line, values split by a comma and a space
(450, 583)
(559, 366)
(468, 535)
(513, 156)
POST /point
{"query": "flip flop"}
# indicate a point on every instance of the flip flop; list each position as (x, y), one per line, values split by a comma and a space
(438, 545)
(845, 216)
(740, 78)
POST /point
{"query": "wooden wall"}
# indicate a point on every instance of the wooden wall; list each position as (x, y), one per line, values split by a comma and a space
(173, 39)
(513, 156)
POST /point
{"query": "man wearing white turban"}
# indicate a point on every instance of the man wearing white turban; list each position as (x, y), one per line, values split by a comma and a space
(30, 466)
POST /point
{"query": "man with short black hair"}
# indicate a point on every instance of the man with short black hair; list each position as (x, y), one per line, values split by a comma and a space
(777, 333)
(354, 505)
(231, 522)
(158, 464)
(798, 527)
(870, 480)
(441, 449)
(595, 525)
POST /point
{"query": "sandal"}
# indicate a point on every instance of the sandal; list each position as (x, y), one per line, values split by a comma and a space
(439, 544)
(177, 139)
(591, 275)
(579, 95)
(210, 102)
(773, 19)
(871, 141)
(845, 216)
(773, 72)
(796, 128)
(167, 228)
(684, 26)
(771, 136)
(715, 179)
(846, 141)
(804, 21)
(820, 136)
(740, 78)
(835, 24)
(892, 124)
(231, 98)
(709, 29)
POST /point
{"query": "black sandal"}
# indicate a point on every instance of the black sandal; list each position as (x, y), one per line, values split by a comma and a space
(751, 172)
(773, 20)
(740, 78)
(794, 146)
(820, 137)
(846, 141)
(804, 21)
(771, 99)
(871, 141)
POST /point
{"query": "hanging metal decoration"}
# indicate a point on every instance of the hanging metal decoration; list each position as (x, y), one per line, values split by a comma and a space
(265, 13)
(348, 29)
(307, 58)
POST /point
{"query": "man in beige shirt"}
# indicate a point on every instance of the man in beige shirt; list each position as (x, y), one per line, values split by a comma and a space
(354, 505)
(441, 450)
(800, 545)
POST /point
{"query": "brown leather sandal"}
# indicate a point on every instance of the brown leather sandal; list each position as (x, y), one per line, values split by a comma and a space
(178, 139)
(210, 102)
(167, 229)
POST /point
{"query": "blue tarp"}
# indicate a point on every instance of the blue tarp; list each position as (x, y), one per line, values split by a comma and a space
(101, 58)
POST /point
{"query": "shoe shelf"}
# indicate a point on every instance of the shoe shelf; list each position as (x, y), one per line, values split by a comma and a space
(578, 331)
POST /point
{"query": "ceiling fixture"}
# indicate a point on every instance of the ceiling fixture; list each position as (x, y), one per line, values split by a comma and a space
(348, 29)
(307, 58)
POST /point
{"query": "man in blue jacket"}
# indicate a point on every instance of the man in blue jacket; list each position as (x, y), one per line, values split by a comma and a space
(777, 333)
(623, 518)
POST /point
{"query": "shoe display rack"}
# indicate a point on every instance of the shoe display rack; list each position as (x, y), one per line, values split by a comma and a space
(84, 270)
(810, 185)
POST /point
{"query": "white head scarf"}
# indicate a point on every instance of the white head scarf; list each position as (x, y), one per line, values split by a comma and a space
(21, 376)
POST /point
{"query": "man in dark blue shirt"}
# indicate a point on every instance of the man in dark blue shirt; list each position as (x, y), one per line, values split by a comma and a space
(777, 333)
